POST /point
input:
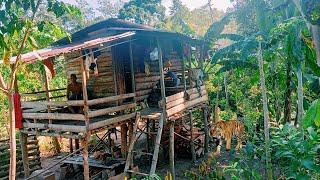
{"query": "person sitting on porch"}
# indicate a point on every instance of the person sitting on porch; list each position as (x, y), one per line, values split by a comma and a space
(74, 89)
(74, 92)
(171, 78)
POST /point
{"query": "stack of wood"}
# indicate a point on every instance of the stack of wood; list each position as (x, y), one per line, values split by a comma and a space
(182, 141)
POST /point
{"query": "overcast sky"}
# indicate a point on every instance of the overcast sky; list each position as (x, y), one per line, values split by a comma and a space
(191, 4)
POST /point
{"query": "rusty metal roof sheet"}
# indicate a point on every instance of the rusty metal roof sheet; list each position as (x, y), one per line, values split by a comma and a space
(56, 51)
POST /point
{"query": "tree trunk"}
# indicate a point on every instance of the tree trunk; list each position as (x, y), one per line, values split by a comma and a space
(216, 110)
(300, 94)
(225, 82)
(287, 95)
(313, 28)
(265, 113)
(316, 39)
(12, 138)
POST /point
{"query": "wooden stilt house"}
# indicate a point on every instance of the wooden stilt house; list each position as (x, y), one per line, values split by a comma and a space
(120, 66)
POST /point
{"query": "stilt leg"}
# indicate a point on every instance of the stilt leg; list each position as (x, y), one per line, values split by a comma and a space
(71, 145)
(76, 142)
(85, 154)
(124, 129)
(171, 150)
(193, 152)
(206, 130)
(24, 149)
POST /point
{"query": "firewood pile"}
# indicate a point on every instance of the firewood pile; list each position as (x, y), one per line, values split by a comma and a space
(182, 141)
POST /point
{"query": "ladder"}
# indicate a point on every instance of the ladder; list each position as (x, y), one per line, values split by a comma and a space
(129, 162)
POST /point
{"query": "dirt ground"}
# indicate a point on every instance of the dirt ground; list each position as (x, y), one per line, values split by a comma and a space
(181, 164)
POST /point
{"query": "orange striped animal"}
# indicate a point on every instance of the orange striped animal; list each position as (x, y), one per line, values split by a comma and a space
(225, 130)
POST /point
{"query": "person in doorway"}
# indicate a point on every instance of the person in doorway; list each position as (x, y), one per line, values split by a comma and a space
(74, 92)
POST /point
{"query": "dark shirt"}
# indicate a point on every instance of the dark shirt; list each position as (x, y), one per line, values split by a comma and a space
(174, 77)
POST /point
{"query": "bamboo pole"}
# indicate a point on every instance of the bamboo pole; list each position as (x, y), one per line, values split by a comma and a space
(24, 149)
(193, 152)
(171, 150)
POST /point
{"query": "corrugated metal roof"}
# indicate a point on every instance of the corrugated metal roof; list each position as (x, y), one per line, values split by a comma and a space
(119, 25)
(56, 51)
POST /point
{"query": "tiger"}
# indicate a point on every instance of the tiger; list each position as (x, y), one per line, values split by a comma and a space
(225, 130)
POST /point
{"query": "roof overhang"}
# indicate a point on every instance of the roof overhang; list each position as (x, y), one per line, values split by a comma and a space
(46, 53)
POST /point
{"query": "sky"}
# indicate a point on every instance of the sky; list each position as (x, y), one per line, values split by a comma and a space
(191, 4)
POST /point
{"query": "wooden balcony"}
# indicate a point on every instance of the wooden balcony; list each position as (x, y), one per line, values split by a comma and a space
(53, 118)
(178, 103)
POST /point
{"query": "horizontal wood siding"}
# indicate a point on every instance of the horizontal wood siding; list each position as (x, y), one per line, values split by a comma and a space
(103, 84)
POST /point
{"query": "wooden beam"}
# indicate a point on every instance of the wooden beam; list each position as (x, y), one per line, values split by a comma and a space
(184, 106)
(124, 140)
(162, 85)
(70, 145)
(39, 92)
(56, 127)
(57, 134)
(85, 94)
(28, 104)
(110, 121)
(85, 155)
(171, 150)
(157, 146)
(110, 99)
(148, 79)
(133, 80)
(145, 85)
(24, 150)
(54, 116)
(183, 94)
(106, 111)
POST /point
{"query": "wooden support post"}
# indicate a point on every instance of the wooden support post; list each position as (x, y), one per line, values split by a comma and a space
(71, 145)
(85, 154)
(54, 140)
(132, 70)
(124, 139)
(130, 128)
(184, 74)
(47, 89)
(148, 136)
(24, 150)
(76, 142)
(162, 85)
(206, 129)
(171, 150)
(111, 144)
(157, 146)
(153, 131)
(85, 94)
(193, 151)
(129, 161)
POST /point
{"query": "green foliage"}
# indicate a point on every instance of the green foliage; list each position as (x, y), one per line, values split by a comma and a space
(312, 116)
(312, 10)
(148, 12)
(177, 22)
(296, 153)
